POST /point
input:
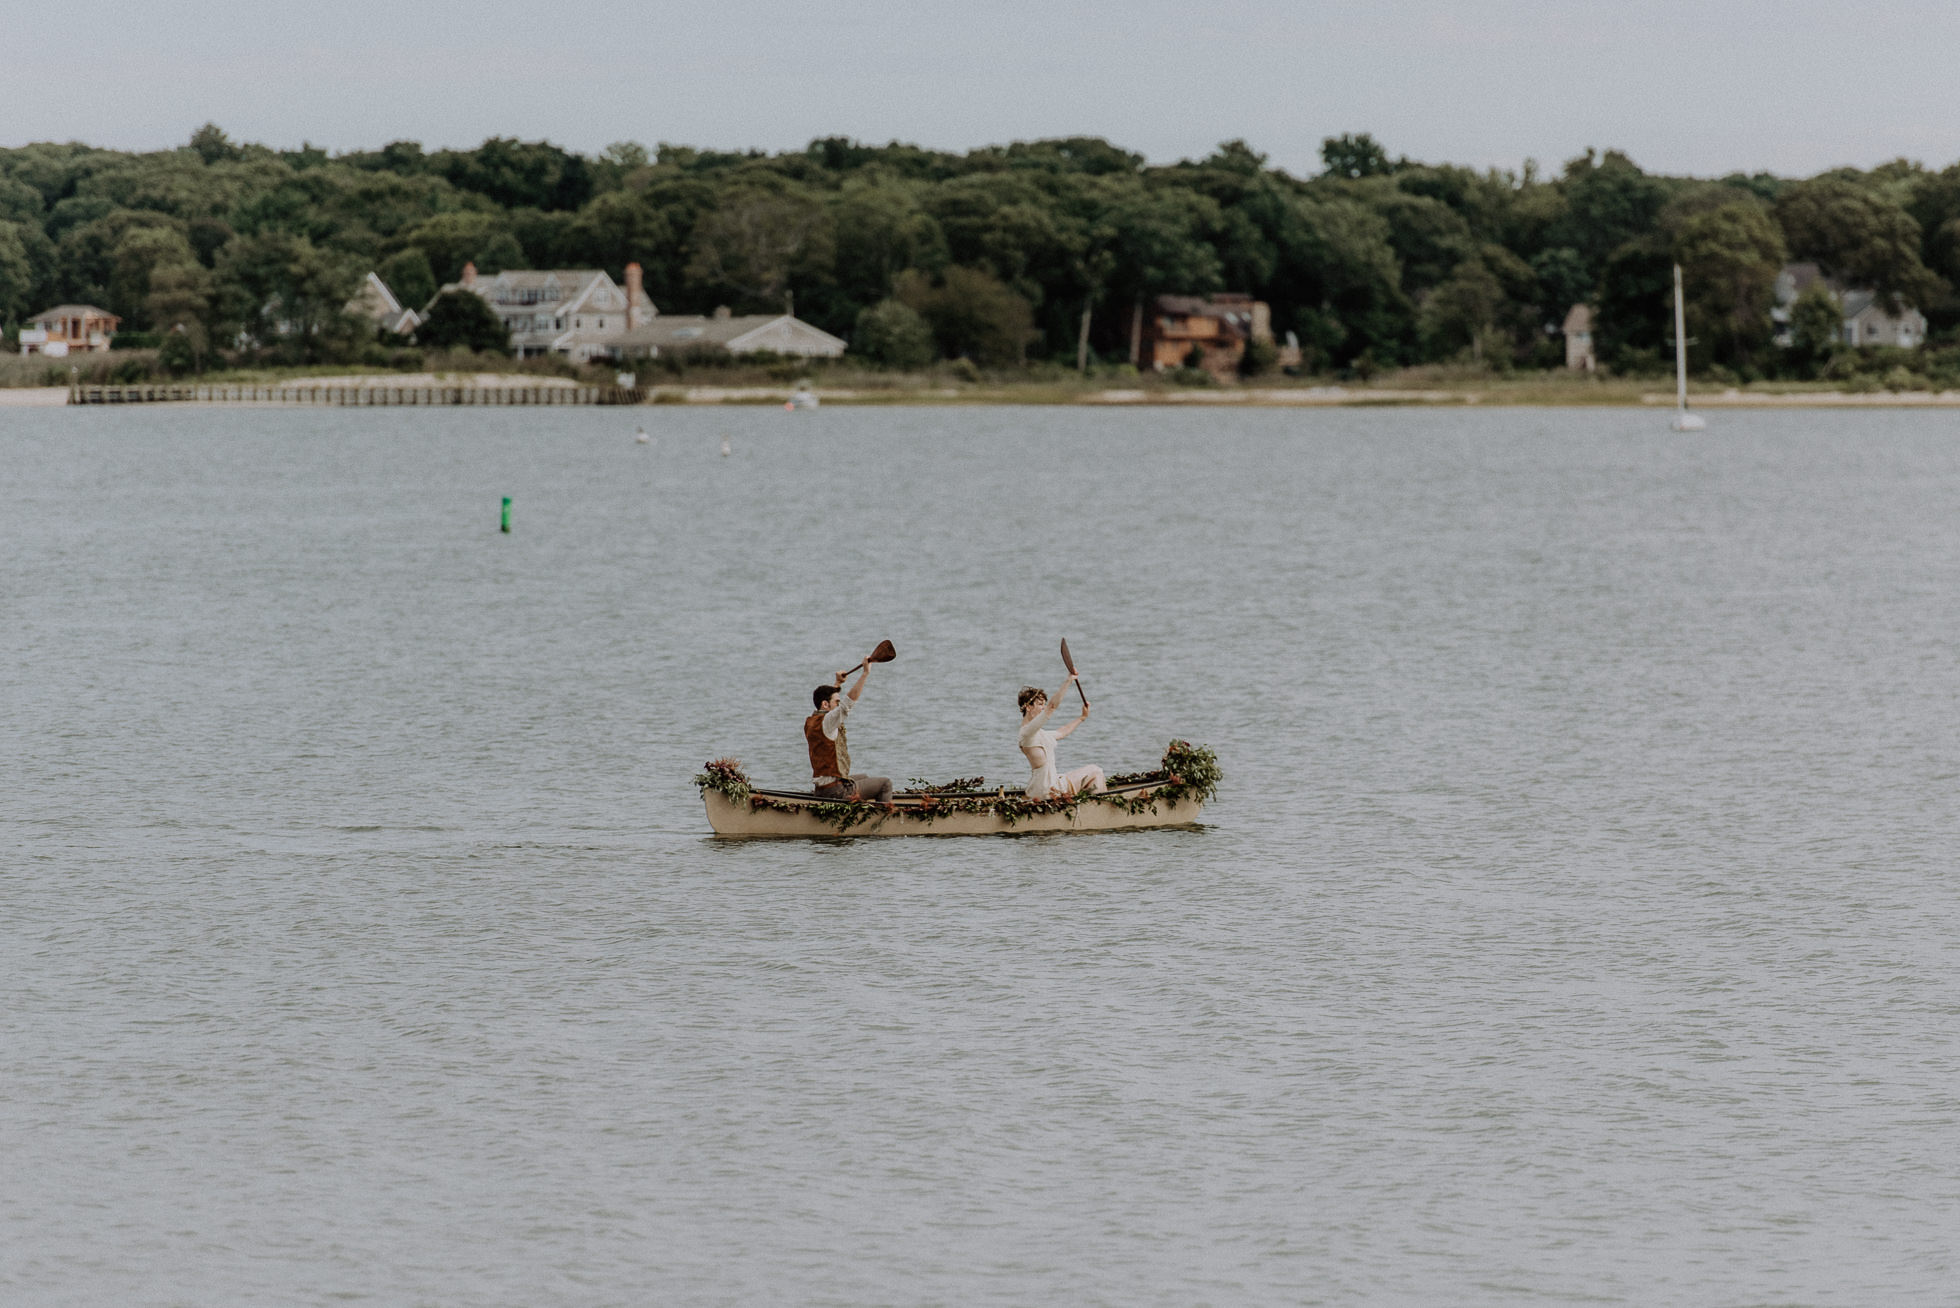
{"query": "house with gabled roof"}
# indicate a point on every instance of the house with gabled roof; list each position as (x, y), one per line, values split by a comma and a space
(1864, 318)
(68, 328)
(1866, 322)
(755, 333)
(574, 311)
(376, 304)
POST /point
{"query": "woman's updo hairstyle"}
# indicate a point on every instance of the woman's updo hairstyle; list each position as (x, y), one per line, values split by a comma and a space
(1028, 695)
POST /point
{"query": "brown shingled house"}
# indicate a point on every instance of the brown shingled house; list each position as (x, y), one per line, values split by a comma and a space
(1217, 326)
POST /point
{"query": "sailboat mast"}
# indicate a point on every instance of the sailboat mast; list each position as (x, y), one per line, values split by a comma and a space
(1680, 346)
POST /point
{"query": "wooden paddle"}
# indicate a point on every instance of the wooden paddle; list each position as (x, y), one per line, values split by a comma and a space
(1069, 663)
(883, 654)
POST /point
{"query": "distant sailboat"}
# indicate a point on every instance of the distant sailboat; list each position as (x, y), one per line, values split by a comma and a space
(1683, 420)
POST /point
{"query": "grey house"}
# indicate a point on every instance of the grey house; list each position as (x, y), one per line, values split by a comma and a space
(778, 333)
(1865, 320)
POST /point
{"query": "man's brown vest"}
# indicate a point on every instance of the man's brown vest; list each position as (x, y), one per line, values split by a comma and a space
(828, 758)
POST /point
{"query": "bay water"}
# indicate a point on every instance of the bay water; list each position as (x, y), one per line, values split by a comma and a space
(1577, 921)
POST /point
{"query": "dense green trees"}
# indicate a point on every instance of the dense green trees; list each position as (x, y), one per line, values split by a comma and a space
(410, 275)
(1859, 234)
(286, 288)
(1729, 256)
(16, 274)
(1028, 251)
(893, 334)
(972, 314)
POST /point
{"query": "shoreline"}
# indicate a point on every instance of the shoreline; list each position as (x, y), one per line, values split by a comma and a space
(392, 390)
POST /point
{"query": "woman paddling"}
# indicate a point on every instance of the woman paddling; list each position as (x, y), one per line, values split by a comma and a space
(1039, 745)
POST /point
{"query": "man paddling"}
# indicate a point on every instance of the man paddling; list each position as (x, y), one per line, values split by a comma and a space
(830, 754)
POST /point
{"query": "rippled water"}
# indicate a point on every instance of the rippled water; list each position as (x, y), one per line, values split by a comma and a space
(1577, 922)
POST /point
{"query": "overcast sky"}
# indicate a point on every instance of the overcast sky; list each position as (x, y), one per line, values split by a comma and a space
(1695, 86)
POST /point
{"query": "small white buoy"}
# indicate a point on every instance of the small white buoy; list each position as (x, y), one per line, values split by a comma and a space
(640, 437)
(724, 447)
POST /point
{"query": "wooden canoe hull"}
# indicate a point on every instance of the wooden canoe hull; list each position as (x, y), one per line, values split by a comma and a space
(742, 821)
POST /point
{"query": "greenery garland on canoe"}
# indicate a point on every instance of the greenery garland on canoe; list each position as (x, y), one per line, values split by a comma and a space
(1187, 771)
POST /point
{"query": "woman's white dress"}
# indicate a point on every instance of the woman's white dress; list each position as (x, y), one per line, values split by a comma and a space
(1039, 744)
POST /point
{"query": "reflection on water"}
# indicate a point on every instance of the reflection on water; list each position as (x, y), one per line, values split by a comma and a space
(1574, 921)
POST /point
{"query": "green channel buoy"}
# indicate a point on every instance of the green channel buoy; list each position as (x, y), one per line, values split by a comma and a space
(506, 526)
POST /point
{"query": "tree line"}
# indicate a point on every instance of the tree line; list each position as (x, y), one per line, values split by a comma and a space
(998, 255)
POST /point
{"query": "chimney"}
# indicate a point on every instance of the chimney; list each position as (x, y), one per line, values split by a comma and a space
(633, 294)
(1262, 321)
(721, 312)
(469, 275)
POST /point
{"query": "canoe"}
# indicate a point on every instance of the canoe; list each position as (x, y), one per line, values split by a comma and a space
(788, 813)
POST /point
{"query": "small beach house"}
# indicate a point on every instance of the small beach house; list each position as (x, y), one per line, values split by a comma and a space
(68, 328)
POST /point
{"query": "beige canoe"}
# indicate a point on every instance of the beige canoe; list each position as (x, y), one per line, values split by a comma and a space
(789, 813)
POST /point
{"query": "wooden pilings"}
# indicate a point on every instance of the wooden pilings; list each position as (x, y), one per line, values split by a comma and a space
(354, 396)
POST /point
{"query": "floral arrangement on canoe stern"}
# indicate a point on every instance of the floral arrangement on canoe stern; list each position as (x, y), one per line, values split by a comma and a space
(725, 775)
(1187, 771)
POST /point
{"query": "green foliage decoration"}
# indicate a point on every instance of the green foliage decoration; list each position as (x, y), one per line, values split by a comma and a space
(921, 786)
(1187, 771)
(1192, 770)
(725, 776)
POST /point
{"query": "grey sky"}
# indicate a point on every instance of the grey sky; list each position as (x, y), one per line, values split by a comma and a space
(1706, 87)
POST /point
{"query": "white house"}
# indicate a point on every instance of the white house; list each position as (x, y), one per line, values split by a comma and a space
(575, 311)
(1864, 319)
(778, 333)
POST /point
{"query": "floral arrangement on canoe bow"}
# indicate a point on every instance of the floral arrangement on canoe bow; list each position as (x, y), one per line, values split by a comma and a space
(1186, 771)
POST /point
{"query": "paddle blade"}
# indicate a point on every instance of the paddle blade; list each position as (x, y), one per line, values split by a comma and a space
(1069, 663)
(883, 654)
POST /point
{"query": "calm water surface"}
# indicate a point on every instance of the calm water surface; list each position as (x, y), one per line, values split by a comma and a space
(1578, 922)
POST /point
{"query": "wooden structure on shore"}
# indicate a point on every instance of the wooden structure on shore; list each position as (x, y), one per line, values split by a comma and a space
(356, 396)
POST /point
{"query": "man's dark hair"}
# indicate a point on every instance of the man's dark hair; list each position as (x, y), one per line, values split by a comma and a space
(1028, 695)
(822, 693)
